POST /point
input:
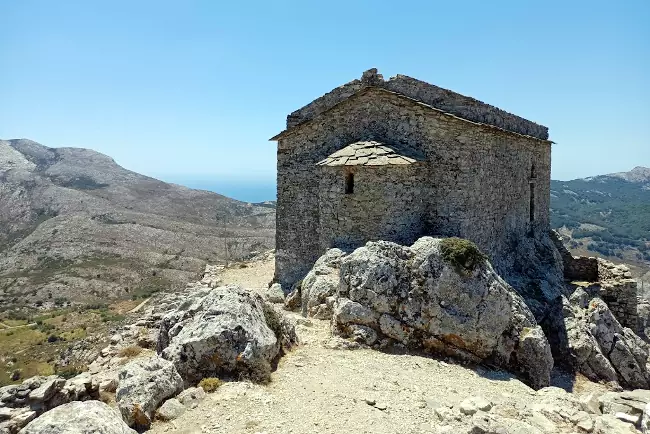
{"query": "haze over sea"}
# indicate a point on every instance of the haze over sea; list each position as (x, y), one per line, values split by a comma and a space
(246, 189)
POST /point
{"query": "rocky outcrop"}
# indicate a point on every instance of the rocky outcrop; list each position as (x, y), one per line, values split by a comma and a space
(143, 385)
(317, 290)
(415, 297)
(602, 349)
(21, 403)
(79, 417)
(226, 331)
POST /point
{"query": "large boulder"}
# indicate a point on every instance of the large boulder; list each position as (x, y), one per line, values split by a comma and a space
(143, 385)
(443, 296)
(602, 349)
(80, 418)
(319, 286)
(227, 331)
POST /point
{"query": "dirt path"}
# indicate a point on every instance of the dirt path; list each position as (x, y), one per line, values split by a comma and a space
(140, 306)
(6, 327)
(320, 388)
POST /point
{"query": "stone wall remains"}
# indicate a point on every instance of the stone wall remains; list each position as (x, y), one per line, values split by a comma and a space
(615, 284)
(442, 99)
(475, 181)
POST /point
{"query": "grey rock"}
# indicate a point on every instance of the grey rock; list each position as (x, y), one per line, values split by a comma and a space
(471, 405)
(414, 297)
(608, 424)
(47, 389)
(143, 385)
(627, 418)
(275, 294)
(171, 409)
(645, 420)
(191, 397)
(320, 284)
(79, 418)
(226, 331)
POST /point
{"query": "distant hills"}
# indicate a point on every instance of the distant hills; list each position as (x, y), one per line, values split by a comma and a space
(607, 214)
(75, 226)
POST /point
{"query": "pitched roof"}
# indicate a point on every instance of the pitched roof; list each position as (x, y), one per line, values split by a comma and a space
(371, 153)
(439, 99)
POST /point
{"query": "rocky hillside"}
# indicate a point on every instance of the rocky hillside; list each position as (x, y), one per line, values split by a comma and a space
(606, 215)
(203, 377)
(77, 227)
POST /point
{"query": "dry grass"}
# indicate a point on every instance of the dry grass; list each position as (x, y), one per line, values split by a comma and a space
(130, 351)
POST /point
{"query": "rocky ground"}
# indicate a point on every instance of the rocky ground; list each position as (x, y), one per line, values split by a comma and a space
(324, 384)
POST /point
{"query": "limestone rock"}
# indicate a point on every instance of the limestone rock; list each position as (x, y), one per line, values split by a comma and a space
(171, 409)
(474, 404)
(275, 294)
(79, 417)
(320, 284)
(191, 397)
(143, 385)
(226, 331)
(645, 421)
(608, 424)
(411, 295)
(602, 348)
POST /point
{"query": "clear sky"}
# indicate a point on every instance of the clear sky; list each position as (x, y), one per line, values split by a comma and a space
(191, 90)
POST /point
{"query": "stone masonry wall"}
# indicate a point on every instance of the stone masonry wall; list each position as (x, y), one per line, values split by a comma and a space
(443, 99)
(388, 203)
(616, 287)
(475, 181)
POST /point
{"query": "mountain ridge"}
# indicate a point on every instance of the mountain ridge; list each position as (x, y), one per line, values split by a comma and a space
(72, 221)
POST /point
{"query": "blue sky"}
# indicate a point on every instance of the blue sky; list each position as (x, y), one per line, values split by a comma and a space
(192, 90)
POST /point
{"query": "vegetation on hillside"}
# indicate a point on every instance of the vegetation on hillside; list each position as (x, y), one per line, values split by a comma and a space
(606, 214)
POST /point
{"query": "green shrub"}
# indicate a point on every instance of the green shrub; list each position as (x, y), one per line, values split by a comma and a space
(210, 384)
(463, 254)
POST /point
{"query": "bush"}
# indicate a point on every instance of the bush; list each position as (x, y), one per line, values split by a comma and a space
(210, 384)
(463, 254)
(70, 371)
(130, 351)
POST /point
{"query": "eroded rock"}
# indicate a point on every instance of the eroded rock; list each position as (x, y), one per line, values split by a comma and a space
(226, 331)
(143, 385)
(414, 297)
(79, 417)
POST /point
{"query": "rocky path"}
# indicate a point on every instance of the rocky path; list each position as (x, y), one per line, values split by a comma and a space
(322, 386)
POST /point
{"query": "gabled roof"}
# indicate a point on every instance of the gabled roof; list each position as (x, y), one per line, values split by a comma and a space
(439, 99)
(371, 153)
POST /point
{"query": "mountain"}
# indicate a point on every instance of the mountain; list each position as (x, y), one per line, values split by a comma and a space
(75, 226)
(607, 214)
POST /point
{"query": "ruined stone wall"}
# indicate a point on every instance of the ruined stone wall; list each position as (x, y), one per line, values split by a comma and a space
(616, 287)
(476, 179)
(443, 99)
(388, 203)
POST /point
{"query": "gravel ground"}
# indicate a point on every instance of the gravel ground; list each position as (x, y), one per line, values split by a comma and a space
(323, 387)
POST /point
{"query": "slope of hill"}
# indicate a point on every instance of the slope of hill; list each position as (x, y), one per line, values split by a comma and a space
(607, 214)
(77, 227)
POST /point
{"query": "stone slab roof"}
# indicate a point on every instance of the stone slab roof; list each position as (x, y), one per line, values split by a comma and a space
(370, 153)
(444, 100)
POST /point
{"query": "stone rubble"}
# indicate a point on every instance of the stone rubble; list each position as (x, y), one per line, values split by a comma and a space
(21, 403)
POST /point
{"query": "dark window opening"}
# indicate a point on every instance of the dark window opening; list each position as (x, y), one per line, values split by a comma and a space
(532, 202)
(349, 183)
(533, 175)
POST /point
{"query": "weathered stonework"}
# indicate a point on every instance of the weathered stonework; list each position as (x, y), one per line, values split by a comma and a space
(613, 283)
(484, 175)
